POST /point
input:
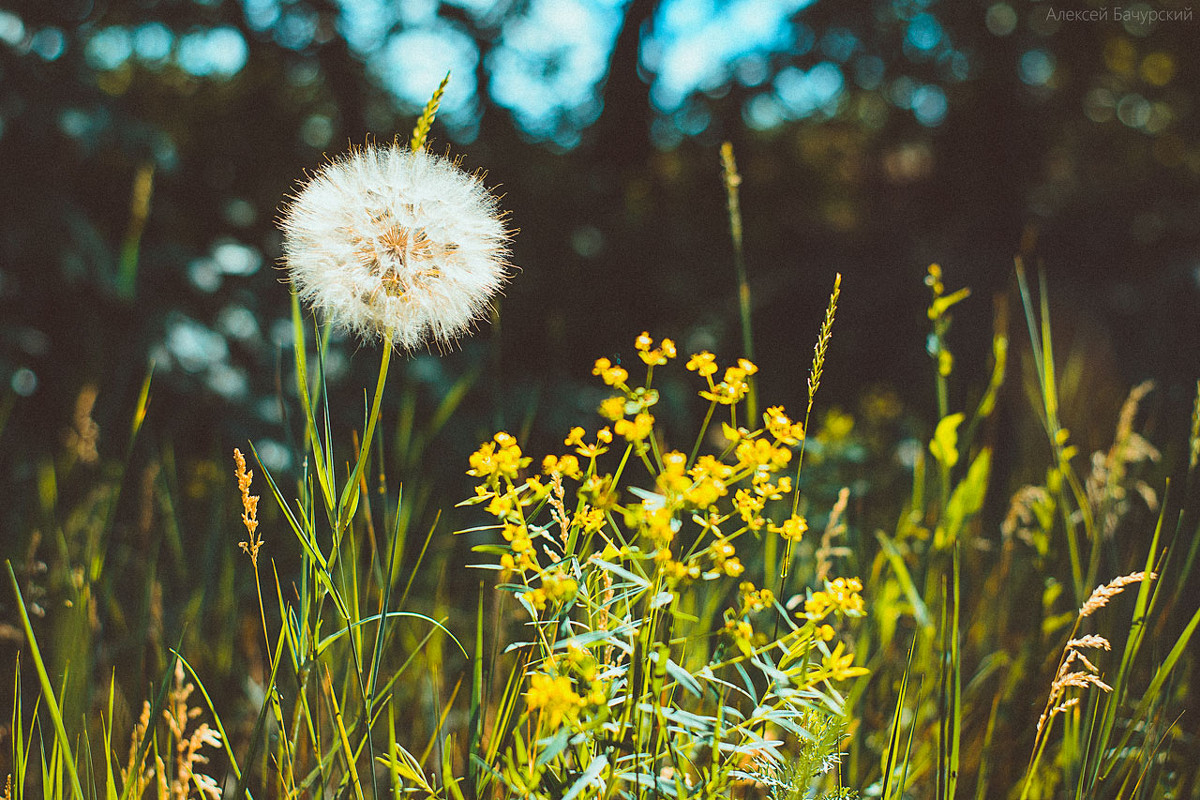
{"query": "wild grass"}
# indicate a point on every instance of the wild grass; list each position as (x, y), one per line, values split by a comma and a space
(756, 606)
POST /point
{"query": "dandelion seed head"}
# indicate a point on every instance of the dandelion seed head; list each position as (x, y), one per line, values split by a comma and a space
(396, 245)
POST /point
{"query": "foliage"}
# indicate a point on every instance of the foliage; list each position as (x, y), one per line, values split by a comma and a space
(650, 662)
(665, 644)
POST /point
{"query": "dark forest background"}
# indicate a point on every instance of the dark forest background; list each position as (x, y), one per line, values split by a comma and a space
(146, 145)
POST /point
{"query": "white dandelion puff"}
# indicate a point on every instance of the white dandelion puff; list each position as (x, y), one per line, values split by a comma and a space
(396, 245)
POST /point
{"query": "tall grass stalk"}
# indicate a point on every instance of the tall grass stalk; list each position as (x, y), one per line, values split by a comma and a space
(733, 182)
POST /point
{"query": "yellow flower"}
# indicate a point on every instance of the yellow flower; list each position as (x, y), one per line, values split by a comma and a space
(755, 600)
(780, 426)
(503, 505)
(705, 492)
(837, 667)
(613, 408)
(567, 465)
(733, 387)
(792, 528)
(703, 363)
(590, 519)
(482, 461)
(659, 355)
(770, 491)
(680, 571)
(574, 437)
(595, 449)
(748, 507)
(759, 453)
(536, 598)
(536, 490)
(723, 554)
(554, 697)
(637, 429)
(558, 586)
(657, 524)
(710, 466)
(499, 458)
(840, 596)
(611, 374)
(727, 392)
(673, 480)
(599, 491)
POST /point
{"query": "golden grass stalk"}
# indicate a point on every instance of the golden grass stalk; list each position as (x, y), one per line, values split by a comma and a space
(249, 507)
(1075, 670)
(818, 363)
(186, 776)
(1102, 594)
(814, 382)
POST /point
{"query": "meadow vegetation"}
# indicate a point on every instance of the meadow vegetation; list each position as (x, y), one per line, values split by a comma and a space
(693, 593)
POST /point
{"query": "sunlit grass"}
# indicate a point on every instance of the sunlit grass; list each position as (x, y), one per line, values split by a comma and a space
(715, 615)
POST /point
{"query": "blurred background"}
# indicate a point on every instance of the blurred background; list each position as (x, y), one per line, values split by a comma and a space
(146, 147)
(147, 144)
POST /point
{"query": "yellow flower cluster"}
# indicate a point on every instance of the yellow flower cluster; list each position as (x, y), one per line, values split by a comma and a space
(599, 545)
(792, 528)
(554, 697)
(498, 460)
(569, 685)
(557, 587)
(637, 429)
(753, 599)
(685, 528)
(612, 374)
(840, 596)
(732, 388)
(654, 355)
(724, 558)
(780, 426)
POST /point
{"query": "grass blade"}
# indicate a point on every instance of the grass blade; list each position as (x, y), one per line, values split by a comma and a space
(60, 731)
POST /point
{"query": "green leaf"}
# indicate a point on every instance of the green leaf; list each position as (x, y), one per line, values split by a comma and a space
(333, 637)
(920, 611)
(554, 746)
(348, 503)
(60, 731)
(967, 498)
(324, 476)
(684, 679)
(588, 777)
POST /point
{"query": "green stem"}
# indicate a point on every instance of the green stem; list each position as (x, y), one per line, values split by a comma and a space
(732, 181)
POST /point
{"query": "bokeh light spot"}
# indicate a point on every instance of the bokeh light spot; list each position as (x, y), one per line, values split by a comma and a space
(1001, 19)
(1158, 68)
(1036, 67)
